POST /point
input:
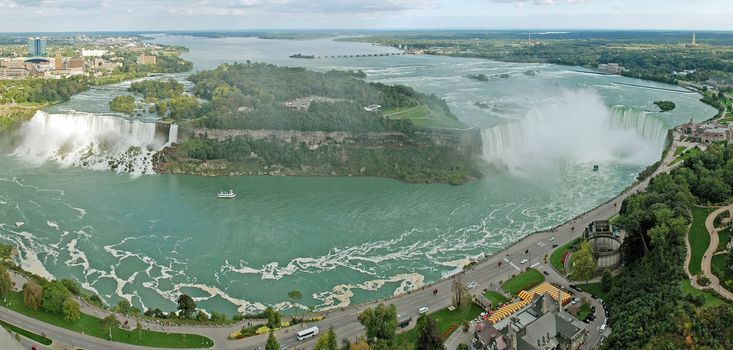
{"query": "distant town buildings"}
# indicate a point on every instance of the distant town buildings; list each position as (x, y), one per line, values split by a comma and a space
(612, 68)
(37, 46)
(92, 53)
(145, 59)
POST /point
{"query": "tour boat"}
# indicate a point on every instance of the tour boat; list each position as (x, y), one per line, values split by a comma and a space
(226, 194)
(19, 224)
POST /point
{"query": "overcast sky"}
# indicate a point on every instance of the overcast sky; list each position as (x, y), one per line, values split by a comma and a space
(100, 15)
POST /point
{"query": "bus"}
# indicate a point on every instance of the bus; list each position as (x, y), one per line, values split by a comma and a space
(307, 333)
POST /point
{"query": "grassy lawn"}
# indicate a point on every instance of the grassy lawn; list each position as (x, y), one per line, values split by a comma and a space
(723, 239)
(719, 269)
(446, 320)
(524, 280)
(556, 257)
(595, 290)
(678, 150)
(90, 326)
(583, 312)
(699, 238)
(496, 298)
(711, 299)
(423, 116)
(687, 154)
(28, 334)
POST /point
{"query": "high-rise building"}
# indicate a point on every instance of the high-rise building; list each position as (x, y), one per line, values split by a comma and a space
(37, 46)
(59, 61)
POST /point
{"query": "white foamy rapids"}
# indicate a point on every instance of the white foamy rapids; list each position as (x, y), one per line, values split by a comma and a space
(576, 127)
(98, 142)
(340, 296)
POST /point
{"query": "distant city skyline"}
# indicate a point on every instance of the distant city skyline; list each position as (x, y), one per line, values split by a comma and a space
(142, 15)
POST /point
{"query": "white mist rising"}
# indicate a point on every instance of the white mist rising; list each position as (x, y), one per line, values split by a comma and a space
(91, 141)
(577, 128)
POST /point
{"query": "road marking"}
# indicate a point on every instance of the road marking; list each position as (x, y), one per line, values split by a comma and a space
(515, 266)
(535, 264)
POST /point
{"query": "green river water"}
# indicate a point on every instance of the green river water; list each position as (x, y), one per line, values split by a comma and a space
(338, 240)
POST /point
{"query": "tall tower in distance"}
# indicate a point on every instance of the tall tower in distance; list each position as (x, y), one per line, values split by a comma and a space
(694, 42)
(37, 46)
(59, 61)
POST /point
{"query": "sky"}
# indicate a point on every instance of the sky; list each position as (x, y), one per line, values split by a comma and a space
(147, 15)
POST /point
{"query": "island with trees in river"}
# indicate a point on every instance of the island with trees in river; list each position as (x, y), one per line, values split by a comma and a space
(262, 119)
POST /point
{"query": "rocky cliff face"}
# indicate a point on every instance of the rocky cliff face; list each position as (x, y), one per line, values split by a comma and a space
(425, 155)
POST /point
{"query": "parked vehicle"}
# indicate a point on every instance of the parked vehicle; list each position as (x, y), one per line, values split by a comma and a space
(423, 310)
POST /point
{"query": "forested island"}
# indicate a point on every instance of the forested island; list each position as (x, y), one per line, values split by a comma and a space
(300, 55)
(665, 106)
(263, 119)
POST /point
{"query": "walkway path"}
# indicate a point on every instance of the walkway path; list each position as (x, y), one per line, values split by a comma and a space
(708, 257)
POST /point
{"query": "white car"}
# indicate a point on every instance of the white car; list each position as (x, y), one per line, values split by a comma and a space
(423, 310)
(551, 239)
(524, 261)
(471, 285)
(575, 301)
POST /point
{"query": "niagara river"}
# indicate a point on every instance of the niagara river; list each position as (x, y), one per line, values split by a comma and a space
(93, 210)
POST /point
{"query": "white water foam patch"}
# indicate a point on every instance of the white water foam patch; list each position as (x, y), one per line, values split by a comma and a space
(97, 142)
(340, 296)
(575, 127)
(29, 246)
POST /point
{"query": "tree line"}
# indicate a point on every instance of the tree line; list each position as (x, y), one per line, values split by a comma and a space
(647, 305)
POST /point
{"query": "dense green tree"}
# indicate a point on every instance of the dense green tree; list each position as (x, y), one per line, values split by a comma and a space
(54, 296)
(186, 306)
(157, 89)
(606, 281)
(428, 334)
(272, 343)
(380, 323)
(72, 286)
(32, 295)
(218, 317)
(6, 283)
(327, 341)
(71, 310)
(583, 262)
(273, 318)
(124, 307)
(460, 293)
(107, 323)
(123, 104)
(139, 330)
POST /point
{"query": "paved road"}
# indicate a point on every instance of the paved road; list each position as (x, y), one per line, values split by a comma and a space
(708, 257)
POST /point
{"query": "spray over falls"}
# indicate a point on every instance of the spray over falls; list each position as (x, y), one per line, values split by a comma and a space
(578, 127)
(92, 141)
